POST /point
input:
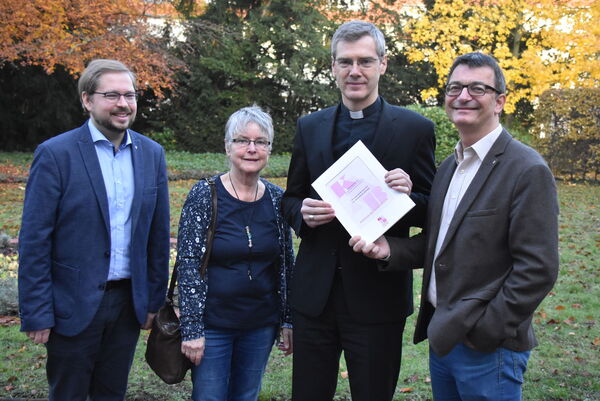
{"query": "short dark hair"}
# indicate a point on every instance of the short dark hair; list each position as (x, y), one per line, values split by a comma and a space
(477, 59)
(354, 30)
(88, 82)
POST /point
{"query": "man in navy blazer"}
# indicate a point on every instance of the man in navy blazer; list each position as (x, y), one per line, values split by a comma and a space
(94, 241)
(489, 250)
(340, 302)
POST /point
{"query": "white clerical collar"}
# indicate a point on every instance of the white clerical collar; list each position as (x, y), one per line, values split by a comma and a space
(366, 112)
(356, 115)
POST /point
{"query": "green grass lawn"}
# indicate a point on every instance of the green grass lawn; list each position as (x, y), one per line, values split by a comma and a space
(565, 366)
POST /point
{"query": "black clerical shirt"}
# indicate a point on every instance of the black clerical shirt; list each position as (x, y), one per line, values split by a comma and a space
(350, 130)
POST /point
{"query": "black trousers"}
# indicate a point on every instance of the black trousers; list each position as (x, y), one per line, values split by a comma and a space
(95, 364)
(372, 353)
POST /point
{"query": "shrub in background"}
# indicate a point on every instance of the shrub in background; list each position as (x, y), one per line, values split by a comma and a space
(446, 135)
(9, 300)
(186, 165)
(9, 304)
(166, 138)
(567, 131)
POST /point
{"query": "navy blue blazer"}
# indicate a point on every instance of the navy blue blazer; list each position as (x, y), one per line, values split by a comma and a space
(64, 243)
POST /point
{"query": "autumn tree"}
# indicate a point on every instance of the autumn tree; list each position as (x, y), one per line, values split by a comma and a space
(70, 33)
(567, 131)
(46, 44)
(540, 44)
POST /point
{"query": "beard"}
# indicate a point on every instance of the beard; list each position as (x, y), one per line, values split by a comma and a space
(107, 125)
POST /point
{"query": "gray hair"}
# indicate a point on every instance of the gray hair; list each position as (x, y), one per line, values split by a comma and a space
(88, 82)
(355, 30)
(475, 60)
(238, 121)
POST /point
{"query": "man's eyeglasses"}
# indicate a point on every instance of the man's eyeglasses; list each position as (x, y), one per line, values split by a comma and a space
(474, 89)
(244, 143)
(113, 97)
(363, 63)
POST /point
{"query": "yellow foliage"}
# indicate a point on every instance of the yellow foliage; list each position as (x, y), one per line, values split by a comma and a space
(540, 44)
(9, 265)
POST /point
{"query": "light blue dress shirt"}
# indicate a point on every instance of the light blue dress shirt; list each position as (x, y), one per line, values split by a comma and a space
(117, 172)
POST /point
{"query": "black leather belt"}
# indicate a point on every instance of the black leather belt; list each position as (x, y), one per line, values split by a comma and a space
(114, 284)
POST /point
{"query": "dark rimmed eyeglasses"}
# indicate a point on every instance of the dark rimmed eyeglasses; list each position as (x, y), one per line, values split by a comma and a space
(113, 97)
(244, 143)
(474, 89)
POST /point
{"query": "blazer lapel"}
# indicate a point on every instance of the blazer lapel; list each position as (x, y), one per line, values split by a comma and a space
(92, 166)
(489, 163)
(382, 139)
(324, 139)
(436, 201)
(137, 156)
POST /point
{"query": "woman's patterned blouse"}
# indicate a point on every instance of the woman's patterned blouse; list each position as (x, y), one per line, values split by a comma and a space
(191, 247)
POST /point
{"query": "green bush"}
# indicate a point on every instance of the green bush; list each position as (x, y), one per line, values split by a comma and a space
(166, 138)
(567, 131)
(445, 134)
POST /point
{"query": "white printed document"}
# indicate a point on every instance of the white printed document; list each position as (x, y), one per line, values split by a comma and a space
(355, 187)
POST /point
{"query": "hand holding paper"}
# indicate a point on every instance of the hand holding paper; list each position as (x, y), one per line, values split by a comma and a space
(356, 188)
(380, 249)
(399, 180)
(316, 212)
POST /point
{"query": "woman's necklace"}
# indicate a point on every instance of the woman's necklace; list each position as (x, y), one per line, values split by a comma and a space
(247, 227)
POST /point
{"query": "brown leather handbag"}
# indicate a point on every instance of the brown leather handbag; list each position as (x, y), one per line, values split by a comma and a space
(163, 351)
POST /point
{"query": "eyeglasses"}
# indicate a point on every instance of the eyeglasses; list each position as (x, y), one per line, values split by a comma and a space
(113, 97)
(244, 143)
(474, 89)
(363, 63)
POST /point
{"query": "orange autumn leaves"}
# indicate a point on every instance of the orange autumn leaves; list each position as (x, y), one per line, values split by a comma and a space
(73, 32)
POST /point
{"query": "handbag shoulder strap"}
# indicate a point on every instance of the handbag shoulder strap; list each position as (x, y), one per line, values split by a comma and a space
(209, 240)
(211, 228)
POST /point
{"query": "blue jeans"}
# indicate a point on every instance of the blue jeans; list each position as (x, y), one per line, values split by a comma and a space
(468, 375)
(233, 364)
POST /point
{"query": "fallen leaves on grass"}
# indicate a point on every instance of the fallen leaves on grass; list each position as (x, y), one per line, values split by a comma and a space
(6, 321)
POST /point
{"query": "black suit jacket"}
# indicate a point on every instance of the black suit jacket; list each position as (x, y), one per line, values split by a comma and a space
(499, 258)
(403, 139)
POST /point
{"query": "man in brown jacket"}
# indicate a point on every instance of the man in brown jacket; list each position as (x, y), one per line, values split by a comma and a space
(489, 250)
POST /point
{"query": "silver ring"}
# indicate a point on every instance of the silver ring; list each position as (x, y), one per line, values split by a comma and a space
(311, 217)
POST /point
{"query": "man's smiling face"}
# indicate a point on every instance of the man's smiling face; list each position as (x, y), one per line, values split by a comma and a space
(474, 114)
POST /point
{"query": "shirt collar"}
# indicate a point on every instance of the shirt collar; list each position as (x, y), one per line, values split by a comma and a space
(480, 148)
(99, 136)
(366, 112)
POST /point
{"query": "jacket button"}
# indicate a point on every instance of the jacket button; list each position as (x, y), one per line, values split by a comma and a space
(102, 286)
(107, 254)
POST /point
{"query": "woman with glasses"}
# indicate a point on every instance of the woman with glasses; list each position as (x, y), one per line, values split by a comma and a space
(231, 313)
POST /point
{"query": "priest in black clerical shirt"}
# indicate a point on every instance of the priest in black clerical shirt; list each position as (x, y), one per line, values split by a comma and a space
(340, 300)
